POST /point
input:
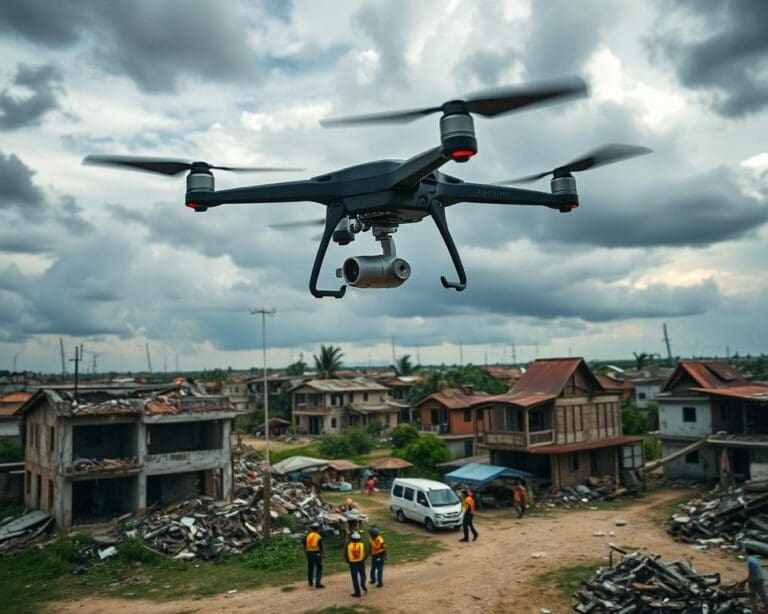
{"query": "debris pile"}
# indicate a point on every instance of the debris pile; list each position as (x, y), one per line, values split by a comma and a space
(593, 489)
(100, 465)
(734, 519)
(643, 583)
(17, 534)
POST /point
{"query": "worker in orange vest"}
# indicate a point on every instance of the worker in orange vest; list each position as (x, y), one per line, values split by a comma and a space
(313, 548)
(355, 555)
(378, 556)
(468, 510)
(521, 498)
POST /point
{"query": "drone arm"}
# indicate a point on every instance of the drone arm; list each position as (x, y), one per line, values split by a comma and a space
(289, 191)
(412, 171)
(437, 210)
(461, 191)
(333, 215)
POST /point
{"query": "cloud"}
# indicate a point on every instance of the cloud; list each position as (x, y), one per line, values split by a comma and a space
(728, 58)
(43, 82)
(19, 192)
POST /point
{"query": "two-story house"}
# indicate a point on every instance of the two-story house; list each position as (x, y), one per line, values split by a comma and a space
(331, 406)
(559, 424)
(400, 391)
(450, 415)
(701, 399)
(96, 453)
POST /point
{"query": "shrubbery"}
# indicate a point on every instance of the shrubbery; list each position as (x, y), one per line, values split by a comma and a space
(10, 450)
(355, 442)
(403, 435)
(279, 553)
(425, 452)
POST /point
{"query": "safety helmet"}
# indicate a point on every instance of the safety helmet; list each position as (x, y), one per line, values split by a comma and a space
(348, 501)
(314, 525)
(355, 535)
(374, 532)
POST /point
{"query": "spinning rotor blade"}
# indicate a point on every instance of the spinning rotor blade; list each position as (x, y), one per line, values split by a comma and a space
(607, 154)
(297, 224)
(488, 103)
(165, 166)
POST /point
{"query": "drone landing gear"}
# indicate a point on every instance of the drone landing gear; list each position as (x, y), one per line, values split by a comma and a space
(437, 211)
(333, 215)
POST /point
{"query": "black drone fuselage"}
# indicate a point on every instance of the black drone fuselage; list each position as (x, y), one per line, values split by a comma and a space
(382, 195)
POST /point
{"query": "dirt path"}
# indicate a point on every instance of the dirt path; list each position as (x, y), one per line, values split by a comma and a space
(495, 574)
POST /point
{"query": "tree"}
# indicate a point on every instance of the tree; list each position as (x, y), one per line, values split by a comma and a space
(403, 435)
(641, 359)
(328, 362)
(426, 452)
(296, 368)
(403, 366)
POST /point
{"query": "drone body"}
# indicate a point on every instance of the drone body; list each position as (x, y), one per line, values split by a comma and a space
(379, 196)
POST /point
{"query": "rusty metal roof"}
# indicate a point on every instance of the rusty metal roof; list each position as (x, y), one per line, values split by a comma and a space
(585, 445)
(521, 399)
(456, 398)
(389, 463)
(343, 465)
(747, 392)
(607, 382)
(341, 385)
(706, 374)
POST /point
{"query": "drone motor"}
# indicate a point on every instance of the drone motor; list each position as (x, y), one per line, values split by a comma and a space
(457, 132)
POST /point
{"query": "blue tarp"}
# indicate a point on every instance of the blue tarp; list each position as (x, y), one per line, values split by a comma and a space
(477, 474)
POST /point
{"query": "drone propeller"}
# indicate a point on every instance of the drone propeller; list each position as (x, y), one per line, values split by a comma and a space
(607, 154)
(487, 103)
(165, 166)
(297, 224)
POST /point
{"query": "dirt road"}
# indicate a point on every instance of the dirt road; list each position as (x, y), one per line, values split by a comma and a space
(494, 574)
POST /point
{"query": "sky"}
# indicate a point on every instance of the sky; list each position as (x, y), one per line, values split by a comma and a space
(113, 260)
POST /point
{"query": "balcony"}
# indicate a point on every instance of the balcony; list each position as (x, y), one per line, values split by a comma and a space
(519, 439)
(440, 429)
(306, 408)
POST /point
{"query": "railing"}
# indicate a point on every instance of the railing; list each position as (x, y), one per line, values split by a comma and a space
(307, 408)
(538, 438)
(519, 439)
(434, 428)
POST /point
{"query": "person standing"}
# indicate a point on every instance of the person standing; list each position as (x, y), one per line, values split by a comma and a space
(313, 548)
(355, 555)
(521, 498)
(468, 510)
(756, 581)
(378, 556)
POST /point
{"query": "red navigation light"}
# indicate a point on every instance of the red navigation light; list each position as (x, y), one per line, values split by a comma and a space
(462, 155)
(192, 205)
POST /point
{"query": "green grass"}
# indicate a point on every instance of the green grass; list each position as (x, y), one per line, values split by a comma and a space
(661, 512)
(313, 451)
(567, 579)
(42, 575)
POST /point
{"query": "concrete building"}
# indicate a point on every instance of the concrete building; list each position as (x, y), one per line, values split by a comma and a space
(559, 424)
(9, 422)
(112, 450)
(331, 406)
(450, 415)
(702, 399)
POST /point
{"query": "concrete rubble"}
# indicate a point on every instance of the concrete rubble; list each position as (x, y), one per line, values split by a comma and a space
(17, 534)
(99, 465)
(730, 520)
(642, 583)
(582, 495)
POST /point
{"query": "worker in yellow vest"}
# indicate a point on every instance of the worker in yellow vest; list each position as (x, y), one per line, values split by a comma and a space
(355, 555)
(313, 548)
(378, 556)
(468, 509)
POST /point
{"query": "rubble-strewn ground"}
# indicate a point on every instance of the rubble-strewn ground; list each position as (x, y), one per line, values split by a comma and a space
(495, 574)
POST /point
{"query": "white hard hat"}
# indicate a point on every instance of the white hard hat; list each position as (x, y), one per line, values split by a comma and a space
(355, 535)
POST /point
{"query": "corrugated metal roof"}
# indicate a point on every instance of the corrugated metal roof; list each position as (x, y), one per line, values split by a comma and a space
(389, 463)
(548, 376)
(342, 385)
(748, 392)
(455, 398)
(709, 373)
(584, 445)
(16, 397)
(343, 465)
(521, 399)
(609, 383)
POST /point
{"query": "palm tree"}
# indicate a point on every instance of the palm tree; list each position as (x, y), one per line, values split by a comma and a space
(403, 365)
(641, 359)
(328, 362)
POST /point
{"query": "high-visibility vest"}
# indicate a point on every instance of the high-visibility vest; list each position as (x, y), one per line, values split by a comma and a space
(312, 541)
(377, 545)
(468, 505)
(355, 551)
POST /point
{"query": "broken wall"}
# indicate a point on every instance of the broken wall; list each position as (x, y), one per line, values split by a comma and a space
(185, 436)
(104, 440)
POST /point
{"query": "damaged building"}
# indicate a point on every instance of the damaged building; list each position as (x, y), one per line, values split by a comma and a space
(97, 453)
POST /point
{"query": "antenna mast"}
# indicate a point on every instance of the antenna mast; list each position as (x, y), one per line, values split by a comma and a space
(149, 358)
(63, 360)
(666, 341)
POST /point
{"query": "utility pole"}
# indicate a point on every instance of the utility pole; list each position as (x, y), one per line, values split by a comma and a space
(418, 355)
(78, 357)
(461, 354)
(267, 519)
(514, 353)
(149, 358)
(15, 356)
(666, 341)
(394, 359)
(63, 360)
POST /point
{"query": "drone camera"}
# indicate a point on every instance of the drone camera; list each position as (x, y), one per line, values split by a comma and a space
(374, 271)
(343, 236)
(457, 133)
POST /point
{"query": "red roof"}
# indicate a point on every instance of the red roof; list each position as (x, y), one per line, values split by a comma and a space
(456, 398)
(389, 463)
(16, 397)
(707, 374)
(748, 392)
(609, 383)
(585, 445)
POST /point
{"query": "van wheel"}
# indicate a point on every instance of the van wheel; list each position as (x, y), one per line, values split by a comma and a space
(429, 525)
(400, 516)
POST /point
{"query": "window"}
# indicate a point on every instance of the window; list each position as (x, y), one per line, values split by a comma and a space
(536, 421)
(365, 396)
(692, 458)
(641, 395)
(28, 482)
(333, 423)
(689, 415)
(593, 468)
(397, 490)
(50, 495)
(52, 438)
(37, 436)
(421, 499)
(336, 398)
(467, 415)
(574, 462)
(408, 493)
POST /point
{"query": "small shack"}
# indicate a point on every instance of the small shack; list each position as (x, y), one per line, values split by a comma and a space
(298, 465)
(389, 468)
(277, 428)
(340, 472)
(492, 484)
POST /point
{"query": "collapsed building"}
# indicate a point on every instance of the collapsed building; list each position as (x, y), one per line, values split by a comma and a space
(97, 453)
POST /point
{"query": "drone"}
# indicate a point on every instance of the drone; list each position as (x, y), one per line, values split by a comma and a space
(381, 195)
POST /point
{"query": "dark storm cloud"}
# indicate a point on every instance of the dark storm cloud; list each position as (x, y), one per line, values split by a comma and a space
(730, 60)
(19, 192)
(53, 24)
(19, 111)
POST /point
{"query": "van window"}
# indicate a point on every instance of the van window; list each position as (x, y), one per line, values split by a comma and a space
(408, 493)
(421, 499)
(444, 496)
(397, 490)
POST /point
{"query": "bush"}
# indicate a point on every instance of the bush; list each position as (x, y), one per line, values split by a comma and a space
(359, 441)
(10, 450)
(287, 520)
(335, 446)
(403, 435)
(633, 420)
(426, 452)
(374, 428)
(132, 549)
(652, 448)
(279, 553)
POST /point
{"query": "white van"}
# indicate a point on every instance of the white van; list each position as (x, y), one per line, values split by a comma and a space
(431, 503)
